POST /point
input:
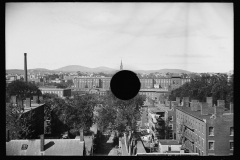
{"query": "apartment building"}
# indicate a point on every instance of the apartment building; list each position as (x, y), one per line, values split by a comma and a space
(59, 91)
(205, 129)
(146, 83)
(154, 94)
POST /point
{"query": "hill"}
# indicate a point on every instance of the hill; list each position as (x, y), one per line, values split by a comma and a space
(75, 68)
(163, 71)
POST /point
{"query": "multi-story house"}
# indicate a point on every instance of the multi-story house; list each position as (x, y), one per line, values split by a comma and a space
(205, 129)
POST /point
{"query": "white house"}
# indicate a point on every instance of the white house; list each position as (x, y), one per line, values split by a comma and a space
(170, 146)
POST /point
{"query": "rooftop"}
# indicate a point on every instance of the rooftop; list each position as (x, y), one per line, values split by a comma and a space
(197, 114)
(155, 109)
(169, 142)
(33, 106)
(154, 90)
(55, 89)
(52, 147)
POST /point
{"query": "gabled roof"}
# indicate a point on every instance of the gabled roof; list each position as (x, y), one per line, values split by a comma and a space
(65, 147)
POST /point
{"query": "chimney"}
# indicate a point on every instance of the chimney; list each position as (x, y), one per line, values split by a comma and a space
(221, 103)
(25, 67)
(231, 107)
(13, 99)
(81, 135)
(35, 99)
(219, 109)
(28, 102)
(194, 105)
(42, 142)
(20, 103)
(178, 101)
(210, 101)
(204, 108)
(186, 101)
(8, 135)
(40, 99)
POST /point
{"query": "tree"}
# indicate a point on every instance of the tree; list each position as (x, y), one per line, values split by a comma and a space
(21, 89)
(119, 112)
(106, 115)
(61, 85)
(20, 124)
(204, 85)
(79, 112)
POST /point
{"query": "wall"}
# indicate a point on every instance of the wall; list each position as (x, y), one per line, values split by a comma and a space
(221, 135)
(164, 148)
(199, 134)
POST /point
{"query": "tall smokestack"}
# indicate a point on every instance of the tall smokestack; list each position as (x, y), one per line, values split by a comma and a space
(42, 142)
(25, 67)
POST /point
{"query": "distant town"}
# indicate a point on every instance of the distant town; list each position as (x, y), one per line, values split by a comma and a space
(75, 113)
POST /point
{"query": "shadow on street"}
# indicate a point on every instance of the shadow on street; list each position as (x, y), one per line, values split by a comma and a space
(105, 147)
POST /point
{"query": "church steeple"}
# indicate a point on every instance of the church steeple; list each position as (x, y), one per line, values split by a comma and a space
(121, 66)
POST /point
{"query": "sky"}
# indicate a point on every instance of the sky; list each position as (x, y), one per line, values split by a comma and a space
(196, 37)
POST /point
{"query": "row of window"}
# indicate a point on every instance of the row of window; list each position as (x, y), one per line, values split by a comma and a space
(192, 123)
(211, 144)
(54, 92)
(211, 131)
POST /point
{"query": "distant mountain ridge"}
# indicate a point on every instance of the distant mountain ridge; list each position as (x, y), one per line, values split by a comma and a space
(75, 68)
(163, 71)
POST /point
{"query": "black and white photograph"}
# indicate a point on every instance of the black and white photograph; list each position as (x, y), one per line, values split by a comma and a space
(119, 79)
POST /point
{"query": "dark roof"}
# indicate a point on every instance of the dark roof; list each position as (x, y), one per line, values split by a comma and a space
(169, 142)
(52, 147)
(172, 151)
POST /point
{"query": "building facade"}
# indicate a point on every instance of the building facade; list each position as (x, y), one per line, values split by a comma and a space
(59, 91)
(146, 83)
(204, 129)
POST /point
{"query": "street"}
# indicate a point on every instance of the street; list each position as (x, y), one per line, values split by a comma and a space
(105, 146)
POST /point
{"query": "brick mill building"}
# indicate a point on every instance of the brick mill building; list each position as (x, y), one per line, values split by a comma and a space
(205, 129)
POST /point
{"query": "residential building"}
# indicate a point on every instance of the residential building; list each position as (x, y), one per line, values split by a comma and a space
(156, 94)
(146, 83)
(170, 146)
(59, 91)
(205, 129)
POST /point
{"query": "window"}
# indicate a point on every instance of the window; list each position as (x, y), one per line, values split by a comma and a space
(171, 126)
(231, 131)
(211, 154)
(171, 118)
(202, 153)
(231, 145)
(203, 143)
(170, 135)
(211, 145)
(211, 131)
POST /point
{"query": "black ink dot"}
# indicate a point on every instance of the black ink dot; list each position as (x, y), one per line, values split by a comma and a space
(125, 85)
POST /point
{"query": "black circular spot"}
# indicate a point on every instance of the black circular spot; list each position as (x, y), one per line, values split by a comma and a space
(125, 85)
